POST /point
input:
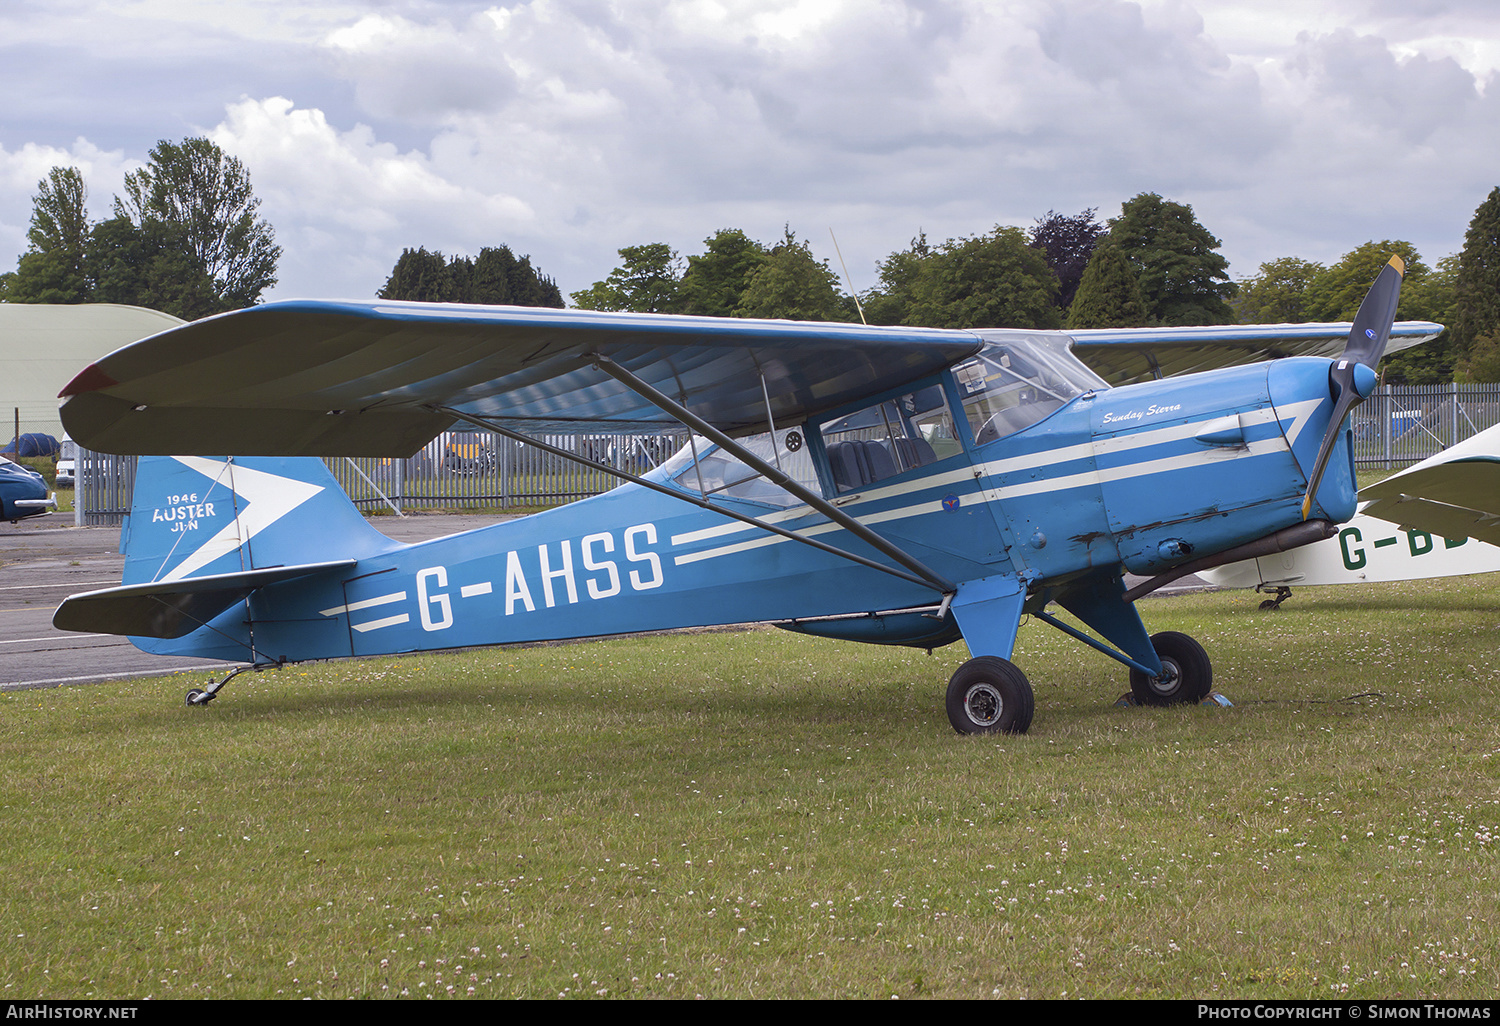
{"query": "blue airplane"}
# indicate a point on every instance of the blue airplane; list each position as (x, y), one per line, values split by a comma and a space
(898, 486)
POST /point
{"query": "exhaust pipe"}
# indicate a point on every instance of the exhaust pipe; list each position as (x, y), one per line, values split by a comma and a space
(1293, 537)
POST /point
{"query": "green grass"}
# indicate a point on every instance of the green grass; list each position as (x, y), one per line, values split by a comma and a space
(758, 814)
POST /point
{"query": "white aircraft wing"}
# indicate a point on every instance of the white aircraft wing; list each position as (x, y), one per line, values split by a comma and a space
(1455, 494)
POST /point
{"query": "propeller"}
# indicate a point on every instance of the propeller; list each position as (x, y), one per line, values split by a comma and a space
(1352, 377)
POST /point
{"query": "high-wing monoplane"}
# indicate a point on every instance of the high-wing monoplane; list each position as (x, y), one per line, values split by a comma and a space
(892, 485)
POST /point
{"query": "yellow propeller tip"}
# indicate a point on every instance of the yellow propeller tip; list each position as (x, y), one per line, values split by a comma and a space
(1398, 264)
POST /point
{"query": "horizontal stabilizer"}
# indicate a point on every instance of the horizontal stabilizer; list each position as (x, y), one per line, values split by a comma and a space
(172, 609)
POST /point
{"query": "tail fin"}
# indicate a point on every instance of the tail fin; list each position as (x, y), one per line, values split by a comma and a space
(194, 516)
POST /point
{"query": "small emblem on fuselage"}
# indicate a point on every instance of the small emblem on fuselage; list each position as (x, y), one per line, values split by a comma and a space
(950, 502)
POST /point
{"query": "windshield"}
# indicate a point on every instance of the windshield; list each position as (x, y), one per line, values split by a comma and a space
(1018, 379)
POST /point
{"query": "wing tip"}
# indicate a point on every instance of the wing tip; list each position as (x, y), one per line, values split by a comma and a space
(90, 379)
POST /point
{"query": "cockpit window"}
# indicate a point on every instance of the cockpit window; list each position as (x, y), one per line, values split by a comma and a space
(888, 438)
(1017, 380)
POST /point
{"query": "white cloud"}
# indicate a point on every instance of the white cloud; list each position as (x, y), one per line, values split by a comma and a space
(569, 129)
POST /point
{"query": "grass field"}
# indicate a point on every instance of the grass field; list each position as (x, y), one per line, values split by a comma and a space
(758, 814)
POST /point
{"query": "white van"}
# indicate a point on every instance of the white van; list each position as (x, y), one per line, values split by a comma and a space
(67, 463)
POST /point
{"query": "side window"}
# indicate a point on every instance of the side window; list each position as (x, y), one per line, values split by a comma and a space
(889, 438)
(716, 472)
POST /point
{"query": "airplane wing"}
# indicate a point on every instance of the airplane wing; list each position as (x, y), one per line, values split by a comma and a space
(1455, 494)
(1125, 355)
(172, 609)
(364, 378)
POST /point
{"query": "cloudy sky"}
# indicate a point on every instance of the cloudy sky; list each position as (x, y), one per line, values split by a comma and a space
(569, 128)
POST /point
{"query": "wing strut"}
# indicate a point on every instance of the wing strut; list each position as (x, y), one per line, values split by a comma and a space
(775, 476)
(678, 495)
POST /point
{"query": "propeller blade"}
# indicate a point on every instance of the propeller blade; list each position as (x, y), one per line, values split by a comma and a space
(1352, 378)
(1377, 312)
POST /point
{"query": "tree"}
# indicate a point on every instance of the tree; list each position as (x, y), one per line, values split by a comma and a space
(1182, 278)
(1068, 243)
(205, 194)
(716, 280)
(419, 277)
(645, 282)
(1109, 295)
(494, 278)
(52, 270)
(500, 277)
(1476, 289)
(1278, 294)
(791, 284)
(890, 301)
(148, 266)
(987, 281)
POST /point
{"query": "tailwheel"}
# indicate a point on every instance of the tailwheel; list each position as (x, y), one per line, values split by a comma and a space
(1187, 675)
(990, 695)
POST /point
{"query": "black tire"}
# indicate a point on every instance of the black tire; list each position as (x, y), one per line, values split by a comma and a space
(1189, 675)
(990, 695)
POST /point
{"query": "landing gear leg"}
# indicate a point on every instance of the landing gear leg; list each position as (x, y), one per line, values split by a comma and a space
(1272, 605)
(990, 695)
(1187, 675)
(202, 696)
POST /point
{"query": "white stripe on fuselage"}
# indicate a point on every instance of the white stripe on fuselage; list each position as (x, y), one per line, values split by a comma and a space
(1298, 413)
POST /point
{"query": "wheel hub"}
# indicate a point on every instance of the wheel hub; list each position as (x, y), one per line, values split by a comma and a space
(1167, 682)
(984, 704)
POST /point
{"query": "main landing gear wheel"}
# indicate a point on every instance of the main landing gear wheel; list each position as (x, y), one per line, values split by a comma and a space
(1187, 675)
(989, 695)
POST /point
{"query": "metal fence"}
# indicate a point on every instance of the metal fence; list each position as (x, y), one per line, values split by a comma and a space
(1401, 424)
(479, 470)
(458, 470)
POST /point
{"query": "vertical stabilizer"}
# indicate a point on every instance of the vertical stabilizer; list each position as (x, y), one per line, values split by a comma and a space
(193, 516)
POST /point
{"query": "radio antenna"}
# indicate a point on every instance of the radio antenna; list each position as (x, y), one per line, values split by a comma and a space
(845, 266)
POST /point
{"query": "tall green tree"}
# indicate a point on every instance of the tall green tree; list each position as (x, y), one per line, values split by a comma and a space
(52, 269)
(1476, 306)
(420, 277)
(645, 282)
(996, 280)
(205, 196)
(716, 279)
(792, 284)
(148, 266)
(1069, 242)
(1183, 278)
(1278, 294)
(496, 277)
(1109, 294)
(890, 301)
